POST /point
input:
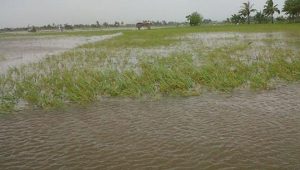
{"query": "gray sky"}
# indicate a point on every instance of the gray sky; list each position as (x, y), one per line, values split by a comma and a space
(14, 13)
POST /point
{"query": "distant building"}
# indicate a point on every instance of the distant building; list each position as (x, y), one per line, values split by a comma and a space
(145, 24)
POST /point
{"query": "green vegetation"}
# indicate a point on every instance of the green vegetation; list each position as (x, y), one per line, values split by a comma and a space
(128, 65)
(224, 73)
(246, 10)
(260, 17)
(270, 9)
(194, 19)
(292, 8)
(237, 18)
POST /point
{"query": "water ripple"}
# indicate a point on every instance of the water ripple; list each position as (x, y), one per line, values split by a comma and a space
(242, 131)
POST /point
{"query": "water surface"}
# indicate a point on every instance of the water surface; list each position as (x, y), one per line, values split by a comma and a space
(214, 131)
(16, 51)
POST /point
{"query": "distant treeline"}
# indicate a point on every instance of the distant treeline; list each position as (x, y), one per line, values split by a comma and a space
(244, 15)
(291, 9)
(61, 27)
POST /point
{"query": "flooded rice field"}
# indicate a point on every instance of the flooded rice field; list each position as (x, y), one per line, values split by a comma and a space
(214, 131)
(246, 47)
(15, 52)
(24, 50)
(239, 130)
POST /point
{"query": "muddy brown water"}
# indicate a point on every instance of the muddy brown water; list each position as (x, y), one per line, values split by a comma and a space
(215, 131)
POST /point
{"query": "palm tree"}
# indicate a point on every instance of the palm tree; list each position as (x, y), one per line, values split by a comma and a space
(246, 10)
(270, 9)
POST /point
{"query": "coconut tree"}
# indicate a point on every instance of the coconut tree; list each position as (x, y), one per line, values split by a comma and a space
(246, 10)
(270, 9)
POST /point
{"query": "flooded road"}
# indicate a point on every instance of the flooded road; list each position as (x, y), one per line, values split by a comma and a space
(213, 131)
(24, 50)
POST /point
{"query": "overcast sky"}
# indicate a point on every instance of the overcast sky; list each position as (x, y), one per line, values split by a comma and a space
(15, 13)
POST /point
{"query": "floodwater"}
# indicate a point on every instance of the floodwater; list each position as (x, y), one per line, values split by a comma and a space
(244, 130)
(18, 51)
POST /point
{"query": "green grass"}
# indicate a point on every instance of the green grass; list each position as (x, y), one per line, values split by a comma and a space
(224, 73)
(99, 69)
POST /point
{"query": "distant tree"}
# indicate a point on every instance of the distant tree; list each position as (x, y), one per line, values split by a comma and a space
(207, 21)
(194, 19)
(270, 9)
(292, 8)
(227, 20)
(246, 10)
(117, 24)
(157, 23)
(49, 26)
(281, 19)
(237, 19)
(68, 27)
(171, 23)
(33, 29)
(105, 24)
(60, 28)
(260, 17)
(98, 24)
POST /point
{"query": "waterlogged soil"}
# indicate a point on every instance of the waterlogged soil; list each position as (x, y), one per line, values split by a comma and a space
(17, 51)
(214, 131)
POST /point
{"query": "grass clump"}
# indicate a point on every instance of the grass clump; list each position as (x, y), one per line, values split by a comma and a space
(168, 76)
(8, 96)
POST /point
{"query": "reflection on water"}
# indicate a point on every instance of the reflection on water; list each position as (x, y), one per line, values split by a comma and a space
(242, 131)
(32, 49)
